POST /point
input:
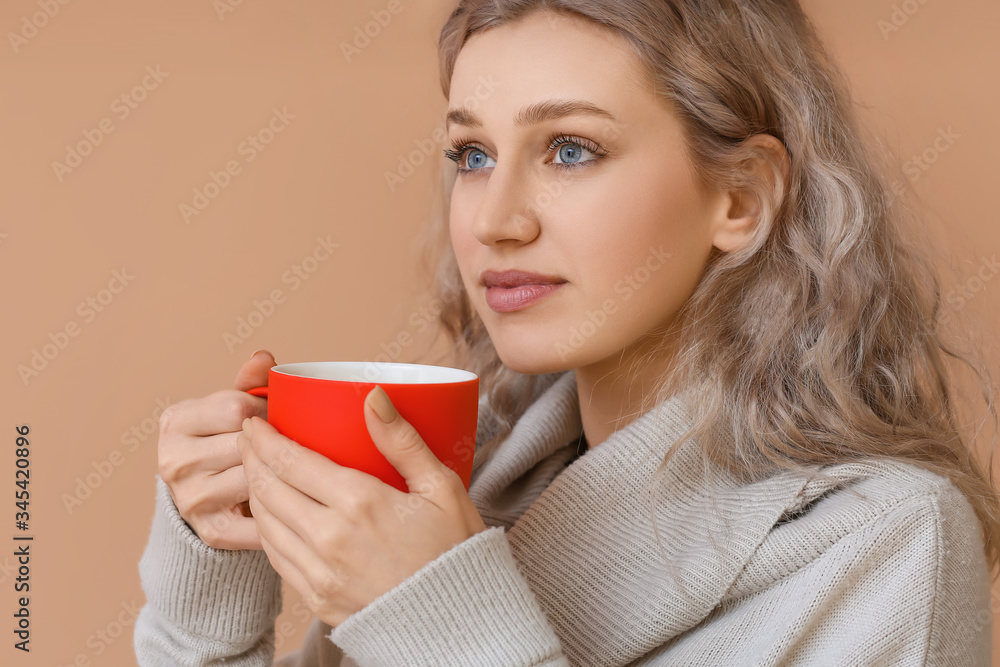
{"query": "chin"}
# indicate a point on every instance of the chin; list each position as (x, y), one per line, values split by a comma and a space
(537, 359)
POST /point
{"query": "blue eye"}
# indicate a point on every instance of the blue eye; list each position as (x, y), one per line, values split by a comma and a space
(568, 149)
(477, 159)
(571, 156)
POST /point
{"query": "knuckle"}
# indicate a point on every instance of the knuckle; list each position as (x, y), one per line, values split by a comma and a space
(452, 479)
(173, 468)
(332, 582)
(211, 538)
(234, 411)
(202, 498)
(186, 508)
(167, 418)
(329, 540)
(166, 469)
(192, 503)
(215, 530)
(356, 507)
(317, 602)
(167, 466)
(410, 440)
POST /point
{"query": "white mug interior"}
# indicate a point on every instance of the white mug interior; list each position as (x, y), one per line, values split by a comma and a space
(373, 371)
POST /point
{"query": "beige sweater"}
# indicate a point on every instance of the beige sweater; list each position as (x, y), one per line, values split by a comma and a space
(884, 567)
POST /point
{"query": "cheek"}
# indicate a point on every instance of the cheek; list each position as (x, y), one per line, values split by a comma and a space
(644, 246)
(458, 227)
(636, 218)
(460, 232)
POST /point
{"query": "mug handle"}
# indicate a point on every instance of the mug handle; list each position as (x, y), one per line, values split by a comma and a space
(258, 391)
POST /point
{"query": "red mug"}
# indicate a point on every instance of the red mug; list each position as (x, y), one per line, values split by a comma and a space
(320, 405)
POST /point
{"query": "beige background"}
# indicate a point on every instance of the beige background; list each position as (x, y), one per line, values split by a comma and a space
(161, 338)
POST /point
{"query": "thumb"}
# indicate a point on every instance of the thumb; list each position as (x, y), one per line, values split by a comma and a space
(398, 441)
(253, 373)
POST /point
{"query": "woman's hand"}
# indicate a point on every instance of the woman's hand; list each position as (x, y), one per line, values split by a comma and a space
(200, 464)
(342, 537)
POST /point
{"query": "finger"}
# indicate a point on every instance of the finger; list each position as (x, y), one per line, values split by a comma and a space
(293, 548)
(254, 371)
(209, 454)
(293, 576)
(230, 486)
(229, 530)
(398, 441)
(224, 522)
(220, 412)
(218, 452)
(202, 495)
(306, 470)
(279, 501)
(184, 458)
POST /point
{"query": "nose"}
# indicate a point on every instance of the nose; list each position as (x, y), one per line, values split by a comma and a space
(506, 211)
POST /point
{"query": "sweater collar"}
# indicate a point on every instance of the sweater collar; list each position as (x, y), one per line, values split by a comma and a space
(537, 449)
(542, 443)
(573, 527)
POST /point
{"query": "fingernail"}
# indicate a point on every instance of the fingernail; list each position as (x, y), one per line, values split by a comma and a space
(381, 404)
(256, 351)
(248, 427)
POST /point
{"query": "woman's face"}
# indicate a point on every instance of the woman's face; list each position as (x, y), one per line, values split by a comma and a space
(609, 205)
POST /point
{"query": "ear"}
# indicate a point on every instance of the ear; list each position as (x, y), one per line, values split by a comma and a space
(739, 210)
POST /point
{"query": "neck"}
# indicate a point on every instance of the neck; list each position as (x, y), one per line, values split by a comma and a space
(611, 391)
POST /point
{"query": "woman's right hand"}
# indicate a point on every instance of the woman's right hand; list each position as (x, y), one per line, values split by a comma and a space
(200, 464)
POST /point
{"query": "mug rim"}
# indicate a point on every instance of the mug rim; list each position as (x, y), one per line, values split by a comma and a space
(439, 374)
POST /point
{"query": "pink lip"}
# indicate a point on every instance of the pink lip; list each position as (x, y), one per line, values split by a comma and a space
(507, 299)
(516, 278)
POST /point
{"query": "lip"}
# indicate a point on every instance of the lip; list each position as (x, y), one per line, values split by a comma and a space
(508, 299)
(516, 278)
(513, 289)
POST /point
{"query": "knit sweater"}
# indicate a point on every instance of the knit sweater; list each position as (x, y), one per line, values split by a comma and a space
(883, 565)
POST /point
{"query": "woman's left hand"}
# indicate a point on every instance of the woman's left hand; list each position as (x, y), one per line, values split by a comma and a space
(342, 537)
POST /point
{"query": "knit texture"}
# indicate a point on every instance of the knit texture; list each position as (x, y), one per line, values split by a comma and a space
(882, 565)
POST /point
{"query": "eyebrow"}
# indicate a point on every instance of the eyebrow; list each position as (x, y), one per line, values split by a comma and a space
(533, 113)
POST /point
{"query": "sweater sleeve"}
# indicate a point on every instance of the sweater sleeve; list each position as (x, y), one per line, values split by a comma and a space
(207, 606)
(469, 606)
(908, 587)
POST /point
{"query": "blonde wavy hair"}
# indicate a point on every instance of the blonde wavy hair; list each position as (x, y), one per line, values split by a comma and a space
(820, 342)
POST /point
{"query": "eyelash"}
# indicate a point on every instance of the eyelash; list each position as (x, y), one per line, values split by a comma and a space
(461, 145)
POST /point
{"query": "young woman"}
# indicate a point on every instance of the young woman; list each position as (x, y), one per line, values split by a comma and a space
(716, 428)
